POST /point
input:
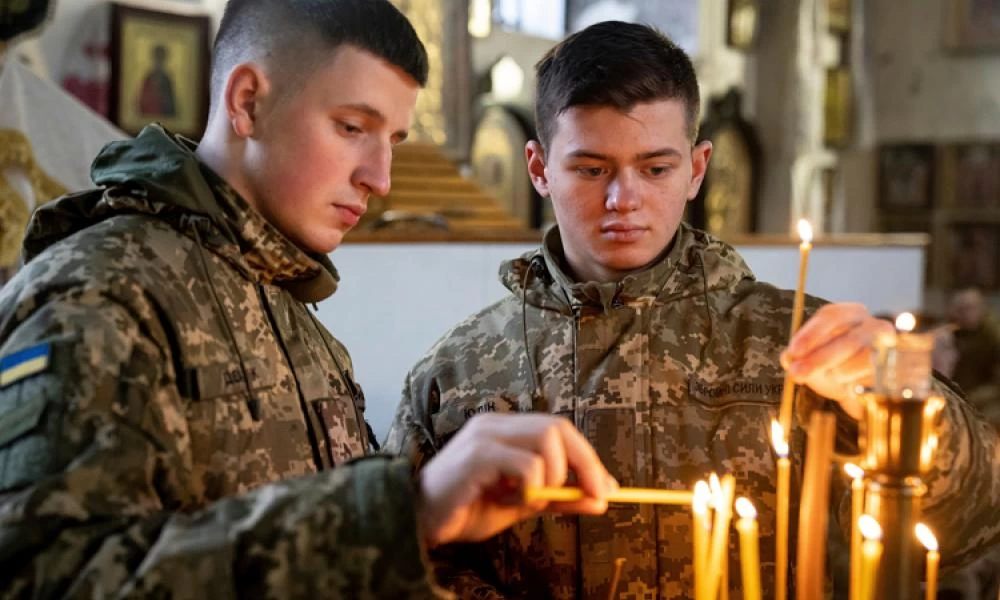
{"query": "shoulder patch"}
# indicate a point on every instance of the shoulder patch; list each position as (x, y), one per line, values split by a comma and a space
(25, 363)
(20, 420)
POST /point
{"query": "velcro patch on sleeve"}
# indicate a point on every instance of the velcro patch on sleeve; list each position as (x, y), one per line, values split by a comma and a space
(25, 363)
(20, 420)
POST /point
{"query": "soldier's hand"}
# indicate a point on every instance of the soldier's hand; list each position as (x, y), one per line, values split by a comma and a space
(472, 489)
(832, 351)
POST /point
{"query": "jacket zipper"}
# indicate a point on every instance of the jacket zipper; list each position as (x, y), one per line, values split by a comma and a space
(313, 443)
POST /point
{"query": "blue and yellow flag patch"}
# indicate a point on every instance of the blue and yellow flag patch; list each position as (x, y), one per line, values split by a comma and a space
(24, 363)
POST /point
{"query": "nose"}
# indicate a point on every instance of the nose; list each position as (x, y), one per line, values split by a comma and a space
(373, 175)
(623, 193)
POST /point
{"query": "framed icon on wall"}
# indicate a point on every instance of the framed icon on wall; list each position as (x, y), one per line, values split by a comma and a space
(159, 70)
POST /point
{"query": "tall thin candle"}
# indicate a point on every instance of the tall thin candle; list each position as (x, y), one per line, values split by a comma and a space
(933, 559)
(871, 553)
(781, 521)
(798, 307)
(702, 527)
(856, 474)
(749, 550)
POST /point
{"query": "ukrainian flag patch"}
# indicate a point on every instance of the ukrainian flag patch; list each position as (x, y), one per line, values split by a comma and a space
(24, 363)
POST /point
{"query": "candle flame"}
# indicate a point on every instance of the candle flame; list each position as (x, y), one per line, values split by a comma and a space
(869, 527)
(805, 231)
(702, 497)
(854, 471)
(716, 487)
(926, 537)
(778, 439)
(906, 322)
(745, 509)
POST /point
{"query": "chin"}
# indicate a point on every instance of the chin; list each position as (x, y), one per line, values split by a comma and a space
(629, 261)
(324, 243)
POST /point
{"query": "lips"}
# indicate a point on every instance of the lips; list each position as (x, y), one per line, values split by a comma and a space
(349, 213)
(622, 232)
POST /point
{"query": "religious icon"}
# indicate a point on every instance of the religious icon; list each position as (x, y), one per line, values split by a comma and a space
(977, 176)
(974, 25)
(156, 99)
(727, 202)
(974, 252)
(906, 177)
(159, 70)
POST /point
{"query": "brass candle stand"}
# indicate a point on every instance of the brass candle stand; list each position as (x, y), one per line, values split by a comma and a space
(897, 444)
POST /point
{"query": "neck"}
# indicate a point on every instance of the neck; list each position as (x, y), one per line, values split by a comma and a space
(220, 154)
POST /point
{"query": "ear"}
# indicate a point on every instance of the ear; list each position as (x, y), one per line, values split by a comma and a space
(246, 87)
(699, 166)
(535, 155)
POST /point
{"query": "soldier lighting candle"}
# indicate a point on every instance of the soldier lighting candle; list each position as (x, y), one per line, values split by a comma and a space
(746, 525)
(798, 306)
(933, 558)
(781, 547)
(856, 474)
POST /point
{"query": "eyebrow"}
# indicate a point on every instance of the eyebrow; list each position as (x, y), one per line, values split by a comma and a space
(376, 114)
(661, 152)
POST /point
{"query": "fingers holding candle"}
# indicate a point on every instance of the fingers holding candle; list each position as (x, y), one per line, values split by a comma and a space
(832, 352)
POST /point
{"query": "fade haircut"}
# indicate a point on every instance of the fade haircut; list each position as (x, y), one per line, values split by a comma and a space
(614, 64)
(299, 35)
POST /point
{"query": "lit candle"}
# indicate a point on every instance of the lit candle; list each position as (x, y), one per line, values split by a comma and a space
(621, 495)
(933, 558)
(856, 474)
(746, 525)
(798, 306)
(716, 499)
(781, 547)
(720, 534)
(905, 322)
(702, 526)
(871, 553)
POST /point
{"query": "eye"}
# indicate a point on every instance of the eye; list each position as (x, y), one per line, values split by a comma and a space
(349, 128)
(657, 171)
(590, 172)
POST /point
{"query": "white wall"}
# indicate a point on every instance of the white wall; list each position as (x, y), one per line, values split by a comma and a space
(396, 300)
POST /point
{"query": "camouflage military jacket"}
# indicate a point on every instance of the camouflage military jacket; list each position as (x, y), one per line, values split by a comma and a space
(166, 401)
(671, 373)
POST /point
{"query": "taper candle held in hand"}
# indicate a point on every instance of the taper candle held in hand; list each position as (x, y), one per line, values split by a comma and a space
(798, 308)
(933, 559)
(622, 495)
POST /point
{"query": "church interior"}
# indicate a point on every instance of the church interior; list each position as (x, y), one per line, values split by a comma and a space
(876, 121)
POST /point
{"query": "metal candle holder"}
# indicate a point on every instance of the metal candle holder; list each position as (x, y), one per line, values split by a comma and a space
(897, 445)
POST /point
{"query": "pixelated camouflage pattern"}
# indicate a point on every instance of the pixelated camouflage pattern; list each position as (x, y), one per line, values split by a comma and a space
(190, 402)
(671, 373)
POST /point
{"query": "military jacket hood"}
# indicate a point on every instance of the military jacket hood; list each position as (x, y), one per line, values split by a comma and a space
(159, 174)
(694, 263)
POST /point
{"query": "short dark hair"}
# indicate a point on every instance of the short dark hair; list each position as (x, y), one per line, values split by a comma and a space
(614, 64)
(296, 32)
